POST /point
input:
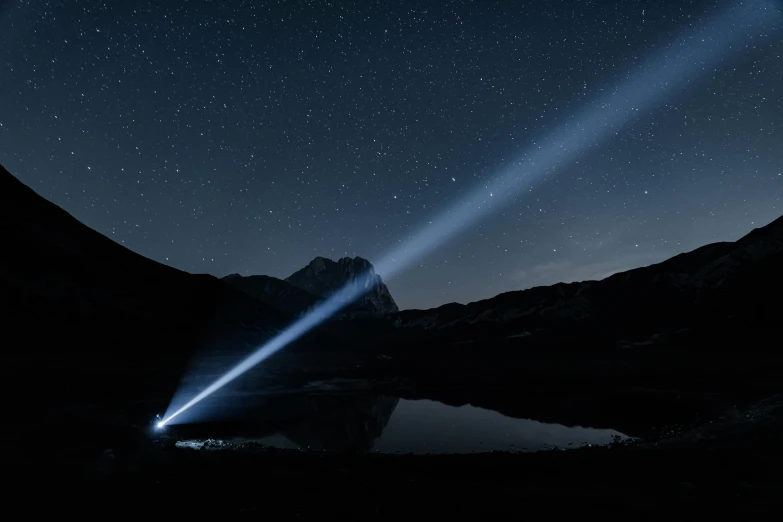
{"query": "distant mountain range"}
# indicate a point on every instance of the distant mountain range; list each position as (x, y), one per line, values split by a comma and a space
(58, 273)
(721, 285)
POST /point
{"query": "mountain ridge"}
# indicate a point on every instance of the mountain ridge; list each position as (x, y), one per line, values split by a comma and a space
(77, 277)
(82, 283)
(324, 277)
(275, 292)
(714, 282)
(318, 280)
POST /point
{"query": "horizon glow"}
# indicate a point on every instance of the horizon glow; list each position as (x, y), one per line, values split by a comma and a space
(690, 56)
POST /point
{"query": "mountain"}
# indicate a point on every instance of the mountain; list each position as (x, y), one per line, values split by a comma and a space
(66, 288)
(60, 273)
(323, 277)
(275, 292)
(731, 283)
(318, 280)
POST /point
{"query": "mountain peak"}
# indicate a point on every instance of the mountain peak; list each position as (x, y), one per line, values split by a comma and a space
(323, 277)
(318, 264)
(356, 265)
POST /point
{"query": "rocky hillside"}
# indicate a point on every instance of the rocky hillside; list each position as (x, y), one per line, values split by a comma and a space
(318, 280)
(323, 277)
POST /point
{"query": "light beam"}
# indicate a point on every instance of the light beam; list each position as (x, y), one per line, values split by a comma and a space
(694, 53)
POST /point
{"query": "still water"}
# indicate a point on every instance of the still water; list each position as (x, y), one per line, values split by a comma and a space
(391, 425)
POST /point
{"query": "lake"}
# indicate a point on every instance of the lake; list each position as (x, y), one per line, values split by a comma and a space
(392, 425)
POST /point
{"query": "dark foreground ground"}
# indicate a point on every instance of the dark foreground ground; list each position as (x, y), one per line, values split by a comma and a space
(711, 445)
(729, 467)
(737, 476)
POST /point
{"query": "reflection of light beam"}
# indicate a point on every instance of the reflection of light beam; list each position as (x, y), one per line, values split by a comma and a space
(689, 57)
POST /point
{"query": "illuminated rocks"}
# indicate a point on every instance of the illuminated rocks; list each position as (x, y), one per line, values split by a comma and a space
(323, 277)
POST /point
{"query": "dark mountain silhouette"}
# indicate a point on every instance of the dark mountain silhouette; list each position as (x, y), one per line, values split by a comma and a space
(318, 280)
(61, 280)
(275, 292)
(719, 284)
(58, 273)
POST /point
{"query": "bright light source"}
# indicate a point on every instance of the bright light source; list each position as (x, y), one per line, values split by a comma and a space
(676, 66)
(161, 424)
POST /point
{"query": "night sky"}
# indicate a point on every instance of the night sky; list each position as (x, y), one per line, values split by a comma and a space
(251, 136)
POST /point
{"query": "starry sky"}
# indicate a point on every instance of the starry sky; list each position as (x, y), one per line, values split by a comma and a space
(251, 136)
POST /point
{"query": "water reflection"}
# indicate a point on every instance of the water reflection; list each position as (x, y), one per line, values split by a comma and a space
(354, 426)
(431, 427)
(391, 425)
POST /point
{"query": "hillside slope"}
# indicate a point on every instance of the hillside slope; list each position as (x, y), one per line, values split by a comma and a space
(67, 289)
(722, 284)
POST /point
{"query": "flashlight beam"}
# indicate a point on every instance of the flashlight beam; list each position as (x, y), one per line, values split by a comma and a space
(689, 57)
(681, 63)
(319, 314)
